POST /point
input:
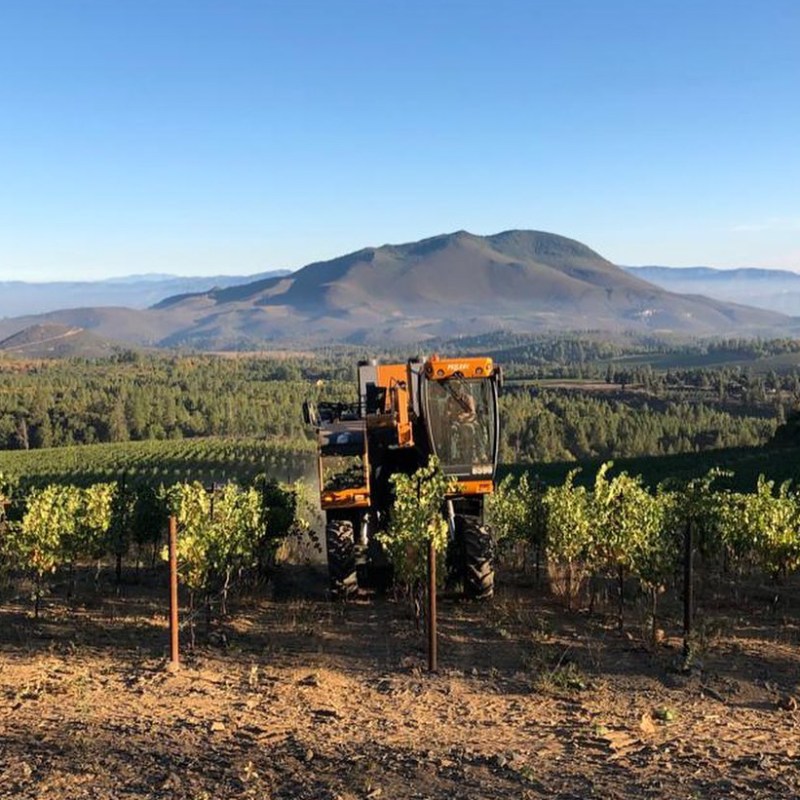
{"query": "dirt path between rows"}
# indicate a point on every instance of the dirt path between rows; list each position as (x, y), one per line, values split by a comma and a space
(309, 700)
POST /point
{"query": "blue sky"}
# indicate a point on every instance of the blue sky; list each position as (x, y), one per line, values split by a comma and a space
(206, 137)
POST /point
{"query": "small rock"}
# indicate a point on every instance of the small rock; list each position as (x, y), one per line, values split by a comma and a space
(217, 727)
(309, 755)
(500, 760)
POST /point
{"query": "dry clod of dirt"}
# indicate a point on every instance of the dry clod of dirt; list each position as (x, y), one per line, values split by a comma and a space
(646, 725)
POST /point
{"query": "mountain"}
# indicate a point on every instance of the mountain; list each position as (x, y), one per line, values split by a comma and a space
(772, 289)
(133, 291)
(454, 284)
(448, 285)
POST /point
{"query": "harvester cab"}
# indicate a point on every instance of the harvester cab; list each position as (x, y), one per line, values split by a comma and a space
(459, 407)
(405, 413)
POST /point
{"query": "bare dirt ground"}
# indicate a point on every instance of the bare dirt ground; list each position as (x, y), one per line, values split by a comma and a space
(309, 700)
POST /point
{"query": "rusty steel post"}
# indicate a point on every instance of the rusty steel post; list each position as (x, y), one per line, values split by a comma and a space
(173, 592)
(433, 655)
(688, 586)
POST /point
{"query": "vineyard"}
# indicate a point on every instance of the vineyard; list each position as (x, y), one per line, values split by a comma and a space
(206, 460)
(739, 467)
(620, 530)
(615, 530)
(575, 676)
(67, 506)
(611, 525)
(226, 530)
(574, 682)
(219, 459)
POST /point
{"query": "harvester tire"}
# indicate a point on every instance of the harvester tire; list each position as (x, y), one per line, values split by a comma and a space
(478, 558)
(340, 543)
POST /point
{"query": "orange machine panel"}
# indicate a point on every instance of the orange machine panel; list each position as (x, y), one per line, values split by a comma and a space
(394, 377)
(440, 368)
(347, 498)
(392, 373)
(468, 487)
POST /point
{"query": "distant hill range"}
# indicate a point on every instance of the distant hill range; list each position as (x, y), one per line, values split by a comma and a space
(773, 289)
(52, 340)
(134, 291)
(448, 285)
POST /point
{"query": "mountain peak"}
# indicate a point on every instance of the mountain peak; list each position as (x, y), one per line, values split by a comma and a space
(461, 282)
(452, 284)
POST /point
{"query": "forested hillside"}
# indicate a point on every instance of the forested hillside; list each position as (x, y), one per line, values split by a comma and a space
(53, 404)
(565, 398)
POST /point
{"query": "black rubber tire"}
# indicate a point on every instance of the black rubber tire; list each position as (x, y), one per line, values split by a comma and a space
(476, 544)
(341, 549)
(454, 563)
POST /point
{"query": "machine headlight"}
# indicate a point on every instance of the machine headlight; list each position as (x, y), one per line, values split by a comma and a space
(482, 469)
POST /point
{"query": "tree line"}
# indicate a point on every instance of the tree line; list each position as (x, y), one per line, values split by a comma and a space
(552, 425)
(150, 398)
(55, 404)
